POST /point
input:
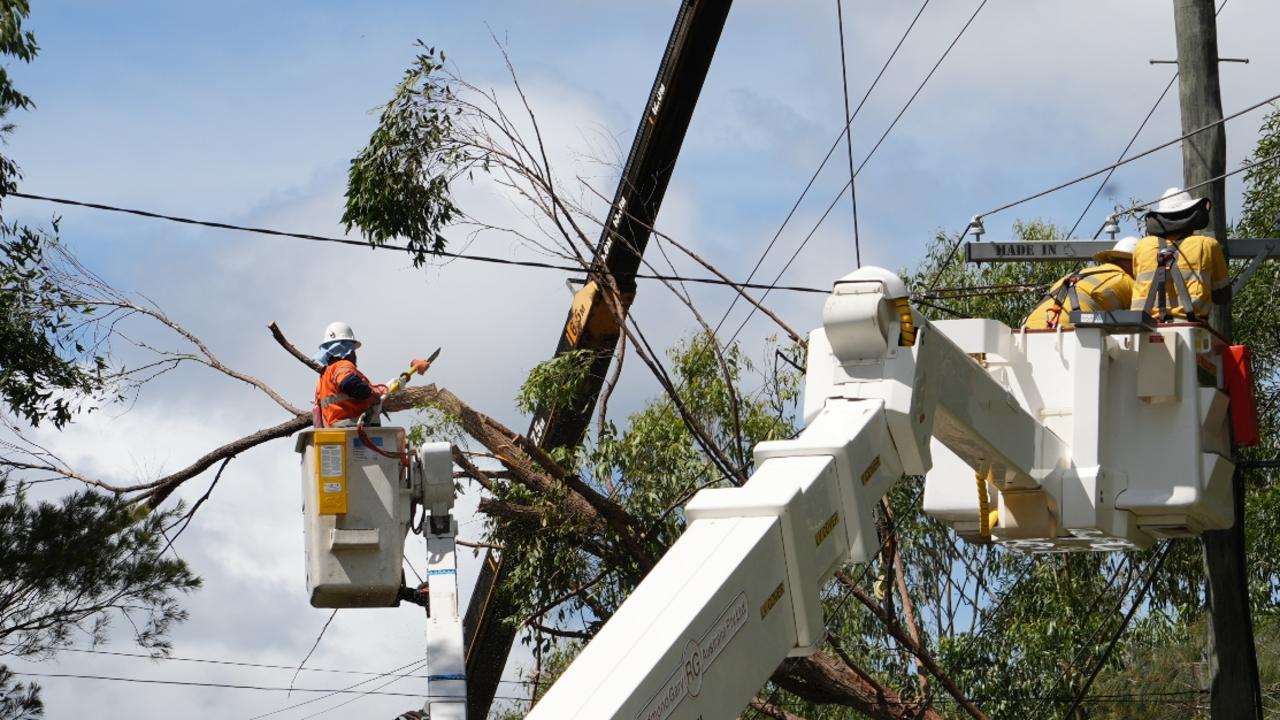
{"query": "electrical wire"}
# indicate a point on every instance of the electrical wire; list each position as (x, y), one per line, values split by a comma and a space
(1112, 171)
(953, 293)
(866, 160)
(830, 151)
(319, 637)
(1132, 140)
(229, 663)
(240, 686)
(848, 133)
(1060, 186)
(1124, 625)
(416, 665)
(258, 666)
(1244, 167)
(362, 695)
(1132, 158)
(1088, 643)
(389, 246)
(202, 684)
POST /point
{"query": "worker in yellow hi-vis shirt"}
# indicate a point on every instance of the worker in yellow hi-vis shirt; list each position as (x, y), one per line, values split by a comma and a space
(1100, 288)
(1179, 275)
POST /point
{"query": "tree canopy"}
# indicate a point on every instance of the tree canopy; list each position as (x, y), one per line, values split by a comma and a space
(67, 567)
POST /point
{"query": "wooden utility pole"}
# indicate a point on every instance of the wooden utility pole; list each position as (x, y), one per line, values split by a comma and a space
(1235, 692)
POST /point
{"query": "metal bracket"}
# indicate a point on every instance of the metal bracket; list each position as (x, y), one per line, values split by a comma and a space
(1252, 267)
(1083, 250)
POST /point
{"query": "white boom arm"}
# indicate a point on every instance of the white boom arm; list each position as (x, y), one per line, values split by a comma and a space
(740, 590)
(446, 659)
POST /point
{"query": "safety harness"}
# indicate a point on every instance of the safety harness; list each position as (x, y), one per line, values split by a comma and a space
(1066, 292)
(1167, 269)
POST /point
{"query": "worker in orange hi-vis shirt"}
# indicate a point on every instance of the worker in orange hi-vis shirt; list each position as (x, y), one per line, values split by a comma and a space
(343, 393)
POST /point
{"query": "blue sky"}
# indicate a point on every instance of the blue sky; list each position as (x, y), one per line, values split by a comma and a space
(248, 112)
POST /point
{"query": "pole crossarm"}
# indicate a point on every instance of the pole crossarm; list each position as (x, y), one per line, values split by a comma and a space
(1066, 250)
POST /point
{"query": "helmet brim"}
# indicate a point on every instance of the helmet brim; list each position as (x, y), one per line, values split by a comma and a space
(1182, 207)
(355, 344)
(1108, 255)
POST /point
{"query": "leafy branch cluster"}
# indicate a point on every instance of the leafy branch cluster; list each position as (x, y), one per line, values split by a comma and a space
(398, 186)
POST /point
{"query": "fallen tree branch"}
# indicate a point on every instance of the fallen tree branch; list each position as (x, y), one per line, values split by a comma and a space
(289, 347)
(822, 678)
(774, 711)
(915, 648)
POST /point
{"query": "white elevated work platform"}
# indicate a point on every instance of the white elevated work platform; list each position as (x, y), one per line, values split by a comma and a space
(1144, 421)
(1096, 439)
(357, 509)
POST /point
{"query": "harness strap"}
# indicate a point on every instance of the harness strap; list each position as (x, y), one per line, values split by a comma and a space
(1167, 270)
(1067, 293)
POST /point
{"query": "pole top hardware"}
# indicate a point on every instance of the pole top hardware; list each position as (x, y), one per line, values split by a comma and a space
(1112, 226)
(976, 229)
(1153, 61)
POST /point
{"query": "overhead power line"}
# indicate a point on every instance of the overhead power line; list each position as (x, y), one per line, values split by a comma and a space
(231, 663)
(197, 683)
(848, 134)
(257, 666)
(350, 689)
(867, 159)
(1246, 166)
(1126, 161)
(830, 151)
(951, 252)
(1123, 152)
(389, 246)
(1115, 638)
(1132, 140)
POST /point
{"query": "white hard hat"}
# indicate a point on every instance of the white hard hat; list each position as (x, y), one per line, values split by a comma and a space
(1122, 250)
(1176, 200)
(339, 330)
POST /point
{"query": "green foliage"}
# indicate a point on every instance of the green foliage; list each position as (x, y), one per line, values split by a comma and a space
(436, 425)
(553, 384)
(650, 467)
(398, 186)
(44, 372)
(1017, 287)
(1256, 325)
(553, 662)
(18, 701)
(65, 567)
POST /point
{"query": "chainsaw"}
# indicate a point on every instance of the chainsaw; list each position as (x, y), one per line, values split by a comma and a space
(403, 380)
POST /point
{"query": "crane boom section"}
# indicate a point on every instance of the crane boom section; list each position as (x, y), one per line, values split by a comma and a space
(741, 589)
(593, 322)
(1052, 426)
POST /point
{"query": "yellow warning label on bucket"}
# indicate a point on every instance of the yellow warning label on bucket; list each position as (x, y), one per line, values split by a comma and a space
(330, 460)
(331, 471)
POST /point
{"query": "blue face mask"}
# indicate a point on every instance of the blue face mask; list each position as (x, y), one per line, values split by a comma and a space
(334, 349)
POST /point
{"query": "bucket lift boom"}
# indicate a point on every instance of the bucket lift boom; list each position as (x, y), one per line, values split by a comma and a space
(887, 393)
